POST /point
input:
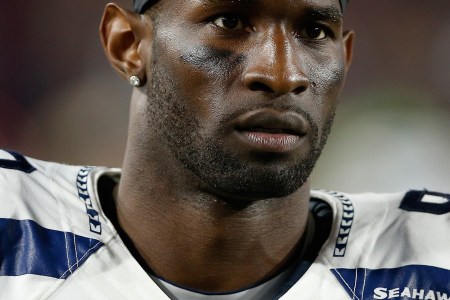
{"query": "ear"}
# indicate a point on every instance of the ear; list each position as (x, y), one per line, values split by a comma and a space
(123, 35)
(348, 40)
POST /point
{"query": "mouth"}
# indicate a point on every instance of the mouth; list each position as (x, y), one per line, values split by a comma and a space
(267, 130)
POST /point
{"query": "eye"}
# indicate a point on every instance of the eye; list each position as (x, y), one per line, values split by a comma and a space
(313, 32)
(229, 22)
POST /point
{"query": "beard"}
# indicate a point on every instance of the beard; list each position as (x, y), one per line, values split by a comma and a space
(201, 152)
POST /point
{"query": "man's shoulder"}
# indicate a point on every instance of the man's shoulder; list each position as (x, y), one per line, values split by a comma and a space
(408, 202)
(50, 219)
(19, 172)
(49, 194)
(385, 218)
(371, 225)
(383, 243)
(30, 186)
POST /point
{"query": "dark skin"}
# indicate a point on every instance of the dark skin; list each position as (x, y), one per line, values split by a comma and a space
(237, 104)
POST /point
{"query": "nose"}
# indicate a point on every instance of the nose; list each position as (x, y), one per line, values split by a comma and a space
(275, 67)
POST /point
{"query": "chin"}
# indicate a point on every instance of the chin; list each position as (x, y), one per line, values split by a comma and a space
(260, 183)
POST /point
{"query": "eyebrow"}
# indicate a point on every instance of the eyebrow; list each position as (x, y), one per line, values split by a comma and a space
(324, 13)
(327, 13)
(233, 1)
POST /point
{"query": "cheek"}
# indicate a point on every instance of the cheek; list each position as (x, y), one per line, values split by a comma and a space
(205, 75)
(200, 78)
(185, 72)
(325, 70)
(210, 62)
(326, 84)
(328, 79)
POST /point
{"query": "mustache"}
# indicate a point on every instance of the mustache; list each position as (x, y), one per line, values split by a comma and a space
(281, 106)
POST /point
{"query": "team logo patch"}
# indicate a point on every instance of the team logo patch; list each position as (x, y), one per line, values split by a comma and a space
(408, 282)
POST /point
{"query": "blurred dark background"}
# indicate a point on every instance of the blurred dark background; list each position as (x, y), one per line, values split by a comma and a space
(60, 100)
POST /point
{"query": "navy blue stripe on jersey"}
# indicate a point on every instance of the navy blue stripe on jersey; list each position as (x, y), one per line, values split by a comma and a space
(19, 163)
(426, 202)
(28, 248)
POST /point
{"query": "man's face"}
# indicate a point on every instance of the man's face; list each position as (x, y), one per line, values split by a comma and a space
(243, 93)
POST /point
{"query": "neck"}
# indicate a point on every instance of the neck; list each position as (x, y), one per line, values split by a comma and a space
(182, 235)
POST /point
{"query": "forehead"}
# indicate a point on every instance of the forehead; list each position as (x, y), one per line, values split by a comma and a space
(257, 2)
(275, 6)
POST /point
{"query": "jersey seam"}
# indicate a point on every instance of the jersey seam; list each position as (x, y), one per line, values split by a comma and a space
(57, 194)
(382, 213)
(68, 279)
(347, 284)
(76, 263)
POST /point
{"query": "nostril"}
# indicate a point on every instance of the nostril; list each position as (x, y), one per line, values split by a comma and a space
(299, 90)
(261, 87)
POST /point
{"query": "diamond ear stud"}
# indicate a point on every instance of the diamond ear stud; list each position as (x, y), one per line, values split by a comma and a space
(135, 81)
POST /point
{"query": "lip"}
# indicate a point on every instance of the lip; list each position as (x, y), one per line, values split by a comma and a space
(268, 130)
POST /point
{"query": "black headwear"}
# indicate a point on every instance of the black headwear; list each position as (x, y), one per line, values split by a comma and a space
(344, 4)
(141, 6)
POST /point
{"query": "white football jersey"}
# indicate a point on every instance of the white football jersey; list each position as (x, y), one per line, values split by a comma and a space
(57, 243)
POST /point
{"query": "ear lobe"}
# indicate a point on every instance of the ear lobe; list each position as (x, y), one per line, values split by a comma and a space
(121, 36)
(348, 39)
